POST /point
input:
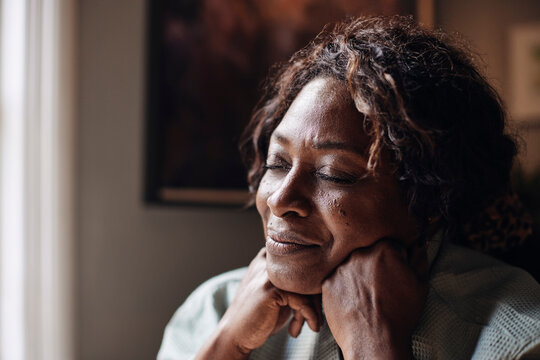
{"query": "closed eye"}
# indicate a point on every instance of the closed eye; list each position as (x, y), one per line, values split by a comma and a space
(345, 180)
(273, 167)
(277, 164)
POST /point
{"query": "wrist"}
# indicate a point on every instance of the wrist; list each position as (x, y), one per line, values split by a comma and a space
(393, 354)
(222, 345)
(380, 350)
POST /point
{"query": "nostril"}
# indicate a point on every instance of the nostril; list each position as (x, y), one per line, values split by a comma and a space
(290, 195)
(286, 203)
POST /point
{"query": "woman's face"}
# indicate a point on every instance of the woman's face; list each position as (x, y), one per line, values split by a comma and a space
(317, 200)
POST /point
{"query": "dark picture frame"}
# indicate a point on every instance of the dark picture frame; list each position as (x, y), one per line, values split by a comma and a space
(206, 60)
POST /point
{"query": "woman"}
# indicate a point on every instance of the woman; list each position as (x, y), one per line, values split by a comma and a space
(371, 151)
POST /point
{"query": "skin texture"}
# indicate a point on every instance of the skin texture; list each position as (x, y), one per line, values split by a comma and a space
(335, 233)
(259, 310)
(373, 300)
(317, 190)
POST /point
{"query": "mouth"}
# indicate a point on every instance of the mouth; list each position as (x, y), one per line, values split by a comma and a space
(280, 244)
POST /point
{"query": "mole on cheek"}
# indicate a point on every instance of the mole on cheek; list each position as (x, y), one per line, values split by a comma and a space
(344, 215)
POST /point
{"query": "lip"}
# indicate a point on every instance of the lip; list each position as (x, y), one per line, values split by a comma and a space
(287, 243)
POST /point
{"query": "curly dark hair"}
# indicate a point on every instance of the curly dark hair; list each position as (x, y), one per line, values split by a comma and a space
(423, 101)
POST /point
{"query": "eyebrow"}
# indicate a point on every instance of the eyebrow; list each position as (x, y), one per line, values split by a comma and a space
(326, 145)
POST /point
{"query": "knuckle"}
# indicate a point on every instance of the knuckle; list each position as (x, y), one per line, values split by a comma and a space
(268, 286)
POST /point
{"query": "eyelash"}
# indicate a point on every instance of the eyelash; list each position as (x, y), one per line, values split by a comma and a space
(338, 180)
(275, 167)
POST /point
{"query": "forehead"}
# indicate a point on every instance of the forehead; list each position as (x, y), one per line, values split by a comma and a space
(324, 111)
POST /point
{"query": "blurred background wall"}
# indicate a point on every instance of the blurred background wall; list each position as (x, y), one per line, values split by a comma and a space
(135, 263)
(487, 25)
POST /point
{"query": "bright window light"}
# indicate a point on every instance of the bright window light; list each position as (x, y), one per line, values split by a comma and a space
(12, 80)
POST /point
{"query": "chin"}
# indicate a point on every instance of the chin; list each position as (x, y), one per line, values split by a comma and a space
(298, 281)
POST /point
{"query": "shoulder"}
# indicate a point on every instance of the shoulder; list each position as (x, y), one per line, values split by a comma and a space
(198, 316)
(461, 273)
(220, 286)
(212, 297)
(493, 308)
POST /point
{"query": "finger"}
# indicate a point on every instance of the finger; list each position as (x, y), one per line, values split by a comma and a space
(283, 318)
(413, 256)
(295, 327)
(304, 306)
(260, 258)
(261, 253)
(258, 264)
(397, 246)
(316, 302)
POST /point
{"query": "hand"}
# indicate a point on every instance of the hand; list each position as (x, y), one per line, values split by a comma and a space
(259, 310)
(374, 300)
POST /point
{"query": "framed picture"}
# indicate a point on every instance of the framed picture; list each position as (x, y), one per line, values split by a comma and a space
(524, 51)
(206, 60)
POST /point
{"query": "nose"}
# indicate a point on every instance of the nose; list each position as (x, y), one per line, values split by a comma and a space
(291, 196)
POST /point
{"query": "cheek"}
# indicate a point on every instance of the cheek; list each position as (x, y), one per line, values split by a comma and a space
(260, 202)
(353, 224)
(361, 220)
(261, 198)
(380, 215)
(350, 221)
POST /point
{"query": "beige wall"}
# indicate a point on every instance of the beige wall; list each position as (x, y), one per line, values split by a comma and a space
(136, 263)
